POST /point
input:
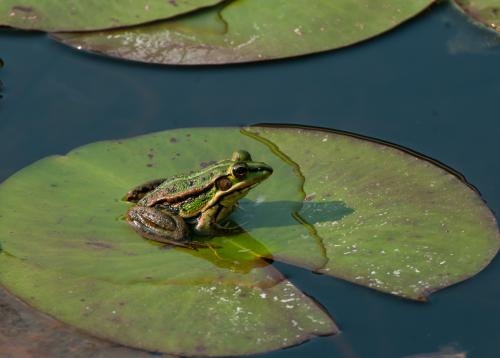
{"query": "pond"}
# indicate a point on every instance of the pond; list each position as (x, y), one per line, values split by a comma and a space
(431, 85)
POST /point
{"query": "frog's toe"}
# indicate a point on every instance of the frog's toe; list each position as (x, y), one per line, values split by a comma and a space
(229, 227)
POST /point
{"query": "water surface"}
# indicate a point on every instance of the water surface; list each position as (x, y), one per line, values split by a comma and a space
(431, 85)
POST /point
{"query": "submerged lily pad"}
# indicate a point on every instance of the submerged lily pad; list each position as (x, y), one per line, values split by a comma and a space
(50, 15)
(345, 206)
(251, 30)
(486, 12)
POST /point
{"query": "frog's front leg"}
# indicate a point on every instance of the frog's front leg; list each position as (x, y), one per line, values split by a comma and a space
(208, 223)
(158, 224)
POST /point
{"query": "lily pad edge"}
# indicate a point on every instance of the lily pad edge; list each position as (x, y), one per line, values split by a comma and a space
(56, 37)
(474, 18)
(119, 27)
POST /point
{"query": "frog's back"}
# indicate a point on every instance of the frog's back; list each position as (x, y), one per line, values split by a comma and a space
(180, 187)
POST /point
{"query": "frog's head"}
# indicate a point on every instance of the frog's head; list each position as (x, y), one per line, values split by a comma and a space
(243, 172)
(241, 175)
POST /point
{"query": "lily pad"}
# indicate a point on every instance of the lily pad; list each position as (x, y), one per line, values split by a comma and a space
(486, 12)
(417, 226)
(50, 15)
(352, 208)
(188, 320)
(251, 30)
(77, 248)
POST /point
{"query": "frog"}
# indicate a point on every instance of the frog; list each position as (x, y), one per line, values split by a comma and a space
(171, 210)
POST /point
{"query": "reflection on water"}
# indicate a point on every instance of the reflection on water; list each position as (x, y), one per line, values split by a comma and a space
(450, 351)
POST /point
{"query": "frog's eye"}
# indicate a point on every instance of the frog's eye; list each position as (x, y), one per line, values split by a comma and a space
(224, 184)
(240, 170)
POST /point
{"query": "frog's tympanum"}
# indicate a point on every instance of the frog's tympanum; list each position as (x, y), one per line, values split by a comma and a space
(166, 208)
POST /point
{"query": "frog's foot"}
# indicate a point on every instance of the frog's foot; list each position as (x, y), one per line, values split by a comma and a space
(231, 226)
(158, 225)
(215, 229)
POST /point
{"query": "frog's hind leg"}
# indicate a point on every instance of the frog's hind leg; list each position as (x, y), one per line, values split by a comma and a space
(137, 193)
(158, 224)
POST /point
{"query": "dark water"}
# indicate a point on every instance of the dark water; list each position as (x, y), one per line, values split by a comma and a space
(432, 85)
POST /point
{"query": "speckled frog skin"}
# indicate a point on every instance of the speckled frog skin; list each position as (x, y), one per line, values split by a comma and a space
(166, 209)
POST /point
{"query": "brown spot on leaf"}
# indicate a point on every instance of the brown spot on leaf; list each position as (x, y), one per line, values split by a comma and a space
(99, 244)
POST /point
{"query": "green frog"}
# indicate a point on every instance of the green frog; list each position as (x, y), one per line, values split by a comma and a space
(166, 209)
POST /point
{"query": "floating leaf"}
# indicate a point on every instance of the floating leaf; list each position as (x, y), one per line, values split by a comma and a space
(251, 30)
(486, 12)
(74, 245)
(416, 227)
(195, 320)
(50, 15)
(24, 332)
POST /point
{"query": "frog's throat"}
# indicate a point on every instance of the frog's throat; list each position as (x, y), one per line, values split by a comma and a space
(235, 188)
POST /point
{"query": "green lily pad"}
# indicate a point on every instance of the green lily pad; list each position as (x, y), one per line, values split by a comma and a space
(486, 12)
(189, 320)
(77, 248)
(416, 228)
(344, 206)
(50, 15)
(251, 30)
